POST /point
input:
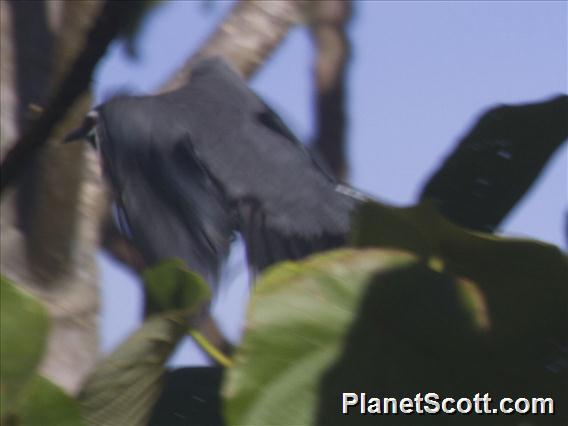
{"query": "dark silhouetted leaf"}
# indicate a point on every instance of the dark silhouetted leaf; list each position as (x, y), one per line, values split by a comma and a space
(533, 274)
(416, 331)
(190, 397)
(497, 162)
(524, 284)
(487, 315)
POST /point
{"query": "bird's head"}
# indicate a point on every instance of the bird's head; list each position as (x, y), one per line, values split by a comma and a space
(87, 131)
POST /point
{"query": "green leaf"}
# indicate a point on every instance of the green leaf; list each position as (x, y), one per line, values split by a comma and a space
(44, 404)
(171, 286)
(125, 386)
(524, 284)
(524, 281)
(301, 314)
(23, 333)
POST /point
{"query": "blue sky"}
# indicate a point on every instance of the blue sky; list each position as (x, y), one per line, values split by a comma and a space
(421, 72)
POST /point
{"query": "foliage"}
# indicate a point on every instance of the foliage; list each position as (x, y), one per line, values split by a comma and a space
(535, 272)
(382, 320)
(298, 318)
(418, 303)
(498, 160)
(125, 386)
(45, 404)
(27, 398)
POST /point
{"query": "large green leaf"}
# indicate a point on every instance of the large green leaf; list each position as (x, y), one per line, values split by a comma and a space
(525, 282)
(125, 386)
(44, 404)
(300, 316)
(23, 333)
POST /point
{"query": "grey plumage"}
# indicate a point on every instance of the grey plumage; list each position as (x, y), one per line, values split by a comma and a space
(191, 167)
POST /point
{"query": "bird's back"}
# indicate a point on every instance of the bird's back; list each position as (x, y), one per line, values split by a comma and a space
(197, 164)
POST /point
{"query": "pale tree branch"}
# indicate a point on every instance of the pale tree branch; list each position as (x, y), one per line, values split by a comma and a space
(246, 38)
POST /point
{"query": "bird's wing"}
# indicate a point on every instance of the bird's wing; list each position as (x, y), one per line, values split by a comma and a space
(172, 207)
(287, 206)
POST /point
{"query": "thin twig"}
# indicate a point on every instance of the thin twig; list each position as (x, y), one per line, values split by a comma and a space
(328, 22)
(107, 26)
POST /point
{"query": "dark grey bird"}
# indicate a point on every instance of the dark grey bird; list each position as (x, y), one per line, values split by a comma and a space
(192, 167)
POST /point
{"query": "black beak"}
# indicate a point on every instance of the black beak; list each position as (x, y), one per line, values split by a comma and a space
(88, 124)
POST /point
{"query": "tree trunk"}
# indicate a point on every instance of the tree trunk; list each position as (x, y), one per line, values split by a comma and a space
(49, 221)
